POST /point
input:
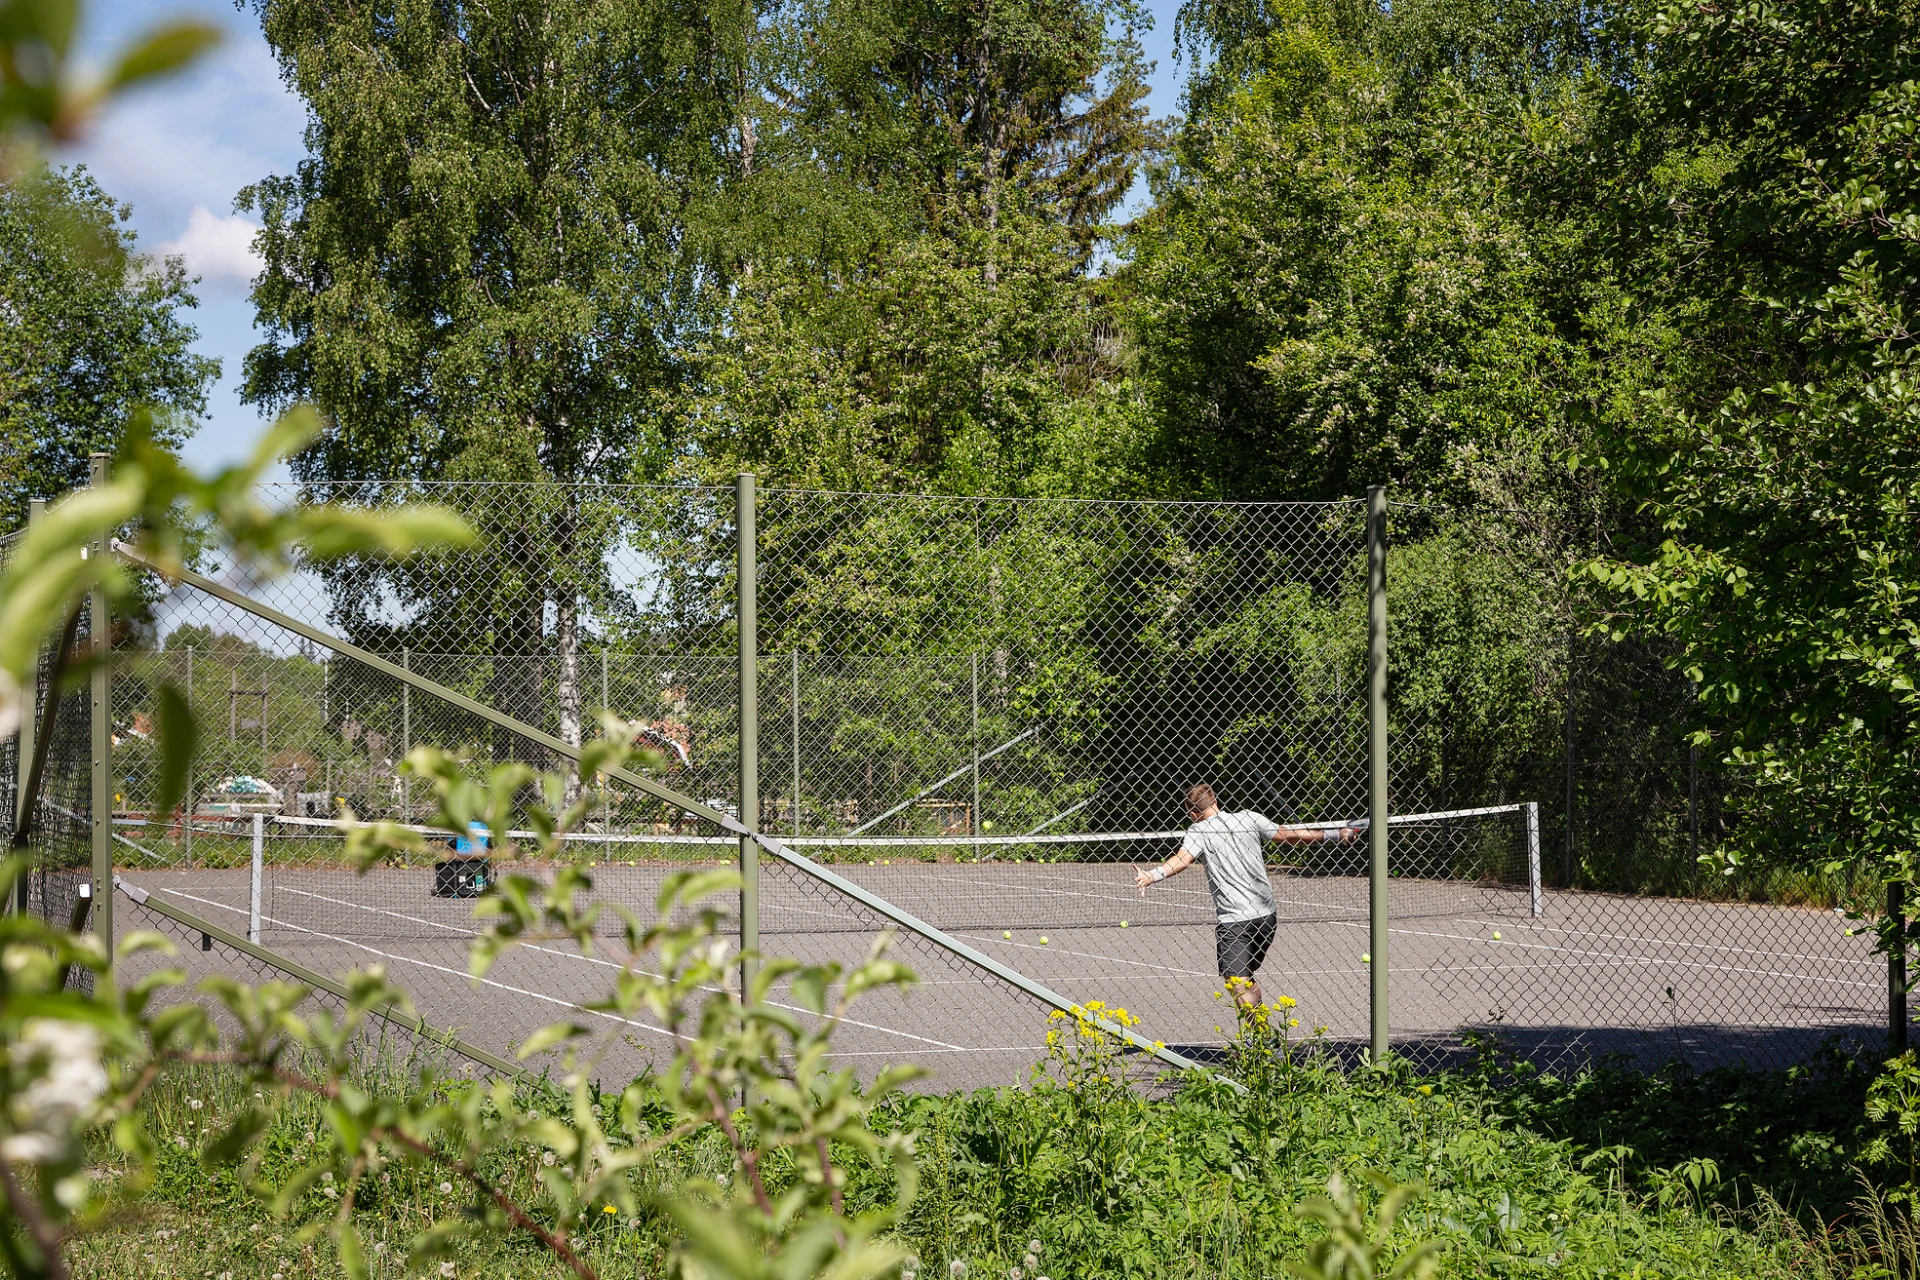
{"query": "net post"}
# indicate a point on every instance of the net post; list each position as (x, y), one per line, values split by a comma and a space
(747, 609)
(1896, 967)
(1533, 856)
(1377, 768)
(253, 881)
(100, 635)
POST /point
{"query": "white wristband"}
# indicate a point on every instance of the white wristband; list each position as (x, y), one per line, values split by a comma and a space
(1157, 874)
(1332, 834)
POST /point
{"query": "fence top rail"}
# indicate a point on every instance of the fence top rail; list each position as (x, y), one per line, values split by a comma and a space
(395, 488)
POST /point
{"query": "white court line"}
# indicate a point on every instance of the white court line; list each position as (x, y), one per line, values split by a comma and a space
(425, 964)
(1086, 955)
(1629, 960)
(1534, 927)
(593, 960)
(564, 955)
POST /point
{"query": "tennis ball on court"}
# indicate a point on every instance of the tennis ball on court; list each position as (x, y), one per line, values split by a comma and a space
(1496, 935)
(1006, 933)
(1366, 957)
(1123, 924)
(1043, 940)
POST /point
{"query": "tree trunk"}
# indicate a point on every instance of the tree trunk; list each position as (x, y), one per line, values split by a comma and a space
(567, 639)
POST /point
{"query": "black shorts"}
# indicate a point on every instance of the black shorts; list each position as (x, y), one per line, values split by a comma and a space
(1241, 945)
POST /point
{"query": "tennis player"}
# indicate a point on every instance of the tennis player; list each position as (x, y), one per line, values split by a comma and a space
(1230, 845)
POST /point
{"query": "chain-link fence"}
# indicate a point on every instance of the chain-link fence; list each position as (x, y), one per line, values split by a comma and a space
(976, 717)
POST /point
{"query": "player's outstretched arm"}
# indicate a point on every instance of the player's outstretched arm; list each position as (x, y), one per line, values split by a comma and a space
(1318, 835)
(1154, 875)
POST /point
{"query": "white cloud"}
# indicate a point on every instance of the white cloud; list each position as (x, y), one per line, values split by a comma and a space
(218, 250)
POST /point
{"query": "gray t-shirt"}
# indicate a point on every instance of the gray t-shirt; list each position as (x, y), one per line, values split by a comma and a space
(1231, 844)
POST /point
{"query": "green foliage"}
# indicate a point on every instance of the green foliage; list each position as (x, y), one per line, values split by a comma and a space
(94, 332)
(1893, 1104)
(969, 360)
(1339, 284)
(1781, 469)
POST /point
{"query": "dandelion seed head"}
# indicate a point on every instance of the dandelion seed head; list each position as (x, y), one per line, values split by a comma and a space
(194, 1104)
(546, 1158)
(1033, 1246)
(327, 1176)
(446, 1188)
(958, 1268)
(446, 1270)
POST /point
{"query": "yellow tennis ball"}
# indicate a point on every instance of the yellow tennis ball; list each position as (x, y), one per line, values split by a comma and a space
(1006, 933)
(1496, 935)
(1043, 940)
(1366, 957)
(1123, 924)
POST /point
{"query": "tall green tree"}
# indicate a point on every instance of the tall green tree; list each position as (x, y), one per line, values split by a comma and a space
(90, 331)
(961, 339)
(1343, 280)
(485, 268)
(1770, 162)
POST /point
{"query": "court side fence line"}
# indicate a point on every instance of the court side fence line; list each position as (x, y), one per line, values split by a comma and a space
(938, 937)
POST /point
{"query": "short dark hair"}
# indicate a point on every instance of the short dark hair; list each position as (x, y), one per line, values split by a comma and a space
(1200, 796)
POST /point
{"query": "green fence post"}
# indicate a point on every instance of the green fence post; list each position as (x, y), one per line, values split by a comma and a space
(100, 634)
(749, 629)
(24, 741)
(1897, 967)
(1377, 765)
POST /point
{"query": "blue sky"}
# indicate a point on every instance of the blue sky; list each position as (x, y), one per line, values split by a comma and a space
(179, 152)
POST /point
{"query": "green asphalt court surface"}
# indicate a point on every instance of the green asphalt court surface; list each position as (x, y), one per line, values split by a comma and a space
(1651, 978)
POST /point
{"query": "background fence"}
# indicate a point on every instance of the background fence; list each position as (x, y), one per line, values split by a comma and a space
(979, 713)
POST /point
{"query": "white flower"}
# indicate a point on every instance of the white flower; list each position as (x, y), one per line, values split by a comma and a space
(546, 1158)
(446, 1269)
(1013, 1273)
(309, 1135)
(180, 1141)
(379, 1247)
(331, 1193)
(446, 1188)
(1033, 1246)
(194, 1103)
(1030, 1261)
(61, 1061)
(327, 1176)
(254, 1227)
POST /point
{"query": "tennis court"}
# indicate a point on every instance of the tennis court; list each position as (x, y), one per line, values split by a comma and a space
(1590, 974)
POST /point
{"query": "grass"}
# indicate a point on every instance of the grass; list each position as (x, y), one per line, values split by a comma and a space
(1527, 1175)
